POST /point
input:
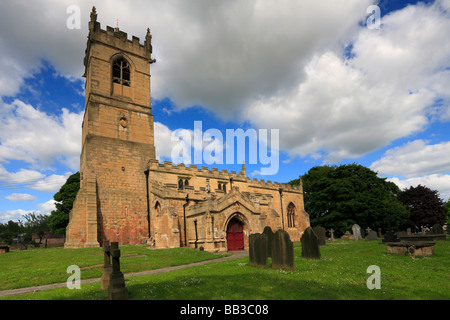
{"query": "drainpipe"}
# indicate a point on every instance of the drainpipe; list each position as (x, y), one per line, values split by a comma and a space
(281, 203)
(148, 201)
(184, 214)
(196, 236)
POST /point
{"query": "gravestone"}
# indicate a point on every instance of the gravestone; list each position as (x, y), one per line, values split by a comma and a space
(107, 267)
(356, 232)
(331, 235)
(347, 235)
(282, 251)
(408, 231)
(320, 233)
(390, 235)
(363, 233)
(258, 250)
(310, 244)
(372, 236)
(436, 229)
(269, 233)
(116, 289)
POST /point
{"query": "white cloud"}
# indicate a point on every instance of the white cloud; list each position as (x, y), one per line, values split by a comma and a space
(414, 159)
(38, 138)
(13, 215)
(20, 197)
(349, 107)
(51, 183)
(440, 182)
(46, 208)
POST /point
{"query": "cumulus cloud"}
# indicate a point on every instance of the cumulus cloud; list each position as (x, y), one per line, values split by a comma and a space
(347, 107)
(20, 197)
(415, 158)
(440, 182)
(38, 138)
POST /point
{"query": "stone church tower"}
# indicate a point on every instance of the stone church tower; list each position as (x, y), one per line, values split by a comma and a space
(117, 140)
(126, 195)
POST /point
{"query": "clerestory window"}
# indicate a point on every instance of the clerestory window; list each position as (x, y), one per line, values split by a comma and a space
(121, 72)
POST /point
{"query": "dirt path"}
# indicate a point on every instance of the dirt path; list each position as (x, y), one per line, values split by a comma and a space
(11, 292)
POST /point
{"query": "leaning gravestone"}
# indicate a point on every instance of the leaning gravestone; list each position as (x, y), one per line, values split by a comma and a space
(116, 289)
(372, 235)
(320, 233)
(437, 229)
(310, 244)
(269, 233)
(107, 267)
(282, 251)
(356, 232)
(258, 250)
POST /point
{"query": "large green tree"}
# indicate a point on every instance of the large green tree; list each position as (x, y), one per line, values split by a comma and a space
(425, 206)
(65, 197)
(339, 196)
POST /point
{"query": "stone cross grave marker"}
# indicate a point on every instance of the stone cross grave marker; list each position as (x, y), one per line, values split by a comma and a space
(107, 267)
(116, 289)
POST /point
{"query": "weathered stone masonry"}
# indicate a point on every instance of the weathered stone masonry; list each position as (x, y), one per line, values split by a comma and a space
(185, 206)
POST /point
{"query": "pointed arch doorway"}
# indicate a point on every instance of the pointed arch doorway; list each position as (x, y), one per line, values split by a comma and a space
(235, 235)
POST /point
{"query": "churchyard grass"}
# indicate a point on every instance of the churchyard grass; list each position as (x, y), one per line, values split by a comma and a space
(341, 273)
(37, 267)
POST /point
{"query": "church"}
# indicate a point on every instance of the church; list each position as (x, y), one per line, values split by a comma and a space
(127, 195)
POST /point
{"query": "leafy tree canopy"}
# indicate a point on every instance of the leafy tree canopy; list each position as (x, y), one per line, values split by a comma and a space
(425, 206)
(339, 196)
(65, 197)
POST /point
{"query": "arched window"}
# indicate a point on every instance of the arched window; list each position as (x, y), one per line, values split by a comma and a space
(121, 72)
(186, 183)
(224, 188)
(291, 215)
(180, 184)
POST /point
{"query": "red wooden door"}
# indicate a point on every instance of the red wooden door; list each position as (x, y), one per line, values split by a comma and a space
(235, 236)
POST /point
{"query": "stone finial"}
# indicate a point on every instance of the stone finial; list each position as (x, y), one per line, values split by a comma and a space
(243, 170)
(94, 14)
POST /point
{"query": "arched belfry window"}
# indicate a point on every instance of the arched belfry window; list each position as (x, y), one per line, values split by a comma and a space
(121, 72)
(291, 215)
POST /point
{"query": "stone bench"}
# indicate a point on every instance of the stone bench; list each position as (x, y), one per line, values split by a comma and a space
(412, 248)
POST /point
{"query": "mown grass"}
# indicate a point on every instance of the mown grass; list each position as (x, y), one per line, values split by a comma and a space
(340, 274)
(37, 267)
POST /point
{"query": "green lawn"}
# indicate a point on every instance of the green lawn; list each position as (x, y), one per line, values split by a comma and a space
(37, 267)
(340, 274)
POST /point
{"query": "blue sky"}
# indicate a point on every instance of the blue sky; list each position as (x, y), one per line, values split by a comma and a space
(337, 91)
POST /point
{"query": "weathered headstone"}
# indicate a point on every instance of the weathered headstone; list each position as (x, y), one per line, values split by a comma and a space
(320, 233)
(331, 235)
(310, 244)
(408, 231)
(107, 267)
(116, 289)
(282, 251)
(356, 232)
(269, 233)
(258, 250)
(437, 229)
(372, 236)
